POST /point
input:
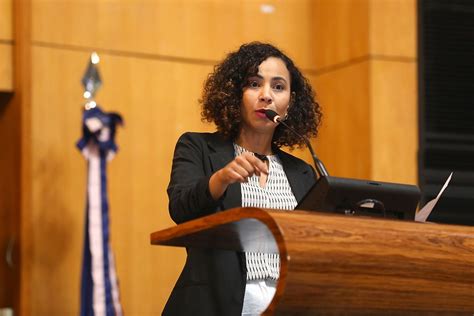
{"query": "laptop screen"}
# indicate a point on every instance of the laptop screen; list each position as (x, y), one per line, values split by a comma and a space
(362, 197)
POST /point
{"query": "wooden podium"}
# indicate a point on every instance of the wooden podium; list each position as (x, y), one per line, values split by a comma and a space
(335, 264)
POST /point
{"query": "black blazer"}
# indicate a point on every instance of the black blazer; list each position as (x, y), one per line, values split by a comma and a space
(213, 281)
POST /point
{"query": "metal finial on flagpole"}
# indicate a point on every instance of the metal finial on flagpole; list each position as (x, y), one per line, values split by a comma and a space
(91, 81)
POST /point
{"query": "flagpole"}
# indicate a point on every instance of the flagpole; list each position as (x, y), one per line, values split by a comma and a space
(99, 283)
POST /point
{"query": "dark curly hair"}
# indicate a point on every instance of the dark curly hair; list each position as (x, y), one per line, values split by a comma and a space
(222, 95)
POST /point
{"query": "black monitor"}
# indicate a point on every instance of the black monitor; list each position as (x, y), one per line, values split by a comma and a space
(362, 197)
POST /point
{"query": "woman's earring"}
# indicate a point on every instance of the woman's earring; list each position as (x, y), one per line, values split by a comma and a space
(290, 104)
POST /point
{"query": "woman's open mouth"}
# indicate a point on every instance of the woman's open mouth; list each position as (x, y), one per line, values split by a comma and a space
(261, 113)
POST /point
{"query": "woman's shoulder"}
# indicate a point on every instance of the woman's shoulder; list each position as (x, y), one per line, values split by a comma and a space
(201, 137)
(215, 141)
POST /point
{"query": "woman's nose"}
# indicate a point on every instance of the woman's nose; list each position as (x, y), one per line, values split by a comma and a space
(265, 95)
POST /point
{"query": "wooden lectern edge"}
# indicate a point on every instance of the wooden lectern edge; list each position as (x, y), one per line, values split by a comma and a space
(229, 216)
(432, 251)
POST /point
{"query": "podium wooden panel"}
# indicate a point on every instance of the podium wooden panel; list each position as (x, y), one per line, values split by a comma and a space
(334, 264)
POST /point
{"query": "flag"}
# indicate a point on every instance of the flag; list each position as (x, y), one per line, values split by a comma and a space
(99, 282)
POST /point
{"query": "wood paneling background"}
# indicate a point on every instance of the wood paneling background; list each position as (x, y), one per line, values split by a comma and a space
(341, 32)
(392, 28)
(9, 165)
(393, 93)
(367, 85)
(6, 63)
(6, 24)
(343, 143)
(394, 121)
(202, 30)
(6, 45)
(155, 56)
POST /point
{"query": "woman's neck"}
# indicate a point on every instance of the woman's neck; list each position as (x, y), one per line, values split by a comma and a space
(260, 143)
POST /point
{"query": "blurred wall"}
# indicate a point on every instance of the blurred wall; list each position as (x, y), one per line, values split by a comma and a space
(155, 55)
(365, 58)
(9, 165)
(6, 45)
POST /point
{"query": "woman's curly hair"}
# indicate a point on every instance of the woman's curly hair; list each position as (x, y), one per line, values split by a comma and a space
(222, 95)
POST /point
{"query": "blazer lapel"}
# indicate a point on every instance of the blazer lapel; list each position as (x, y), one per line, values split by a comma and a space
(298, 176)
(221, 153)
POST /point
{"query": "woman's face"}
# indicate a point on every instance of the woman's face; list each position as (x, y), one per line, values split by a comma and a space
(269, 89)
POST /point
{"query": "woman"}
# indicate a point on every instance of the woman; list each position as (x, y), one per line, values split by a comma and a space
(240, 165)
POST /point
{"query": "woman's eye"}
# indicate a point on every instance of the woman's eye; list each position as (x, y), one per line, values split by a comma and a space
(279, 87)
(253, 84)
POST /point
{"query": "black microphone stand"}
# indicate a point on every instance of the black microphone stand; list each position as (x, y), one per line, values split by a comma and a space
(318, 164)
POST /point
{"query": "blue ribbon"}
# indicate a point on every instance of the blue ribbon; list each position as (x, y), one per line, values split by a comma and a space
(110, 121)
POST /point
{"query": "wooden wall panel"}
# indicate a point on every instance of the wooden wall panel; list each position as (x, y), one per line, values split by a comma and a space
(6, 21)
(9, 167)
(9, 199)
(159, 101)
(6, 45)
(57, 183)
(350, 34)
(394, 130)
(202, 30)
(6, 67)
(370, 118)
(394, 90)
(344, 140)
(341, 32)
(341, 49)
(393, 28)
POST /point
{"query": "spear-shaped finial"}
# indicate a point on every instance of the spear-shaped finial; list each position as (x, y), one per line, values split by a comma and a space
(91, 81)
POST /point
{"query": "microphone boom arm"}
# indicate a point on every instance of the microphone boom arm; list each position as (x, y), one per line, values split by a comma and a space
(318, 164)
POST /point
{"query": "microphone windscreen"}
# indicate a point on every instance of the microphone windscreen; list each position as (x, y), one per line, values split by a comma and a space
(272, 115)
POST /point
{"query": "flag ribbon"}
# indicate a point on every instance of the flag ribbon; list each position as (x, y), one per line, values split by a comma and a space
(99, 283)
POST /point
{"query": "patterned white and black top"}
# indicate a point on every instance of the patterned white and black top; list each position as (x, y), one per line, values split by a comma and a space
(276, 194)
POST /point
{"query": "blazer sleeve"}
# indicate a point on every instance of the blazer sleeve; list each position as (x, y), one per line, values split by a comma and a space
(188, 190)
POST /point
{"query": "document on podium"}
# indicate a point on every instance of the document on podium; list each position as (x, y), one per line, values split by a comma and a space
(423, 214)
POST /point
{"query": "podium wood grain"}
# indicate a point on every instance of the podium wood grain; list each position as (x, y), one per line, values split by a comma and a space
(333, 264)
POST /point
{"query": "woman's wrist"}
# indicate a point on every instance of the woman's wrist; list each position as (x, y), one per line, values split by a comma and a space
(217, 186)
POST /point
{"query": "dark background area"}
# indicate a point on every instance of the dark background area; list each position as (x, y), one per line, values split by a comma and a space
(446, 107)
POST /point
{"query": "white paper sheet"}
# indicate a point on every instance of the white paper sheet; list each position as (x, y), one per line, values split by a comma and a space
(423, 214)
